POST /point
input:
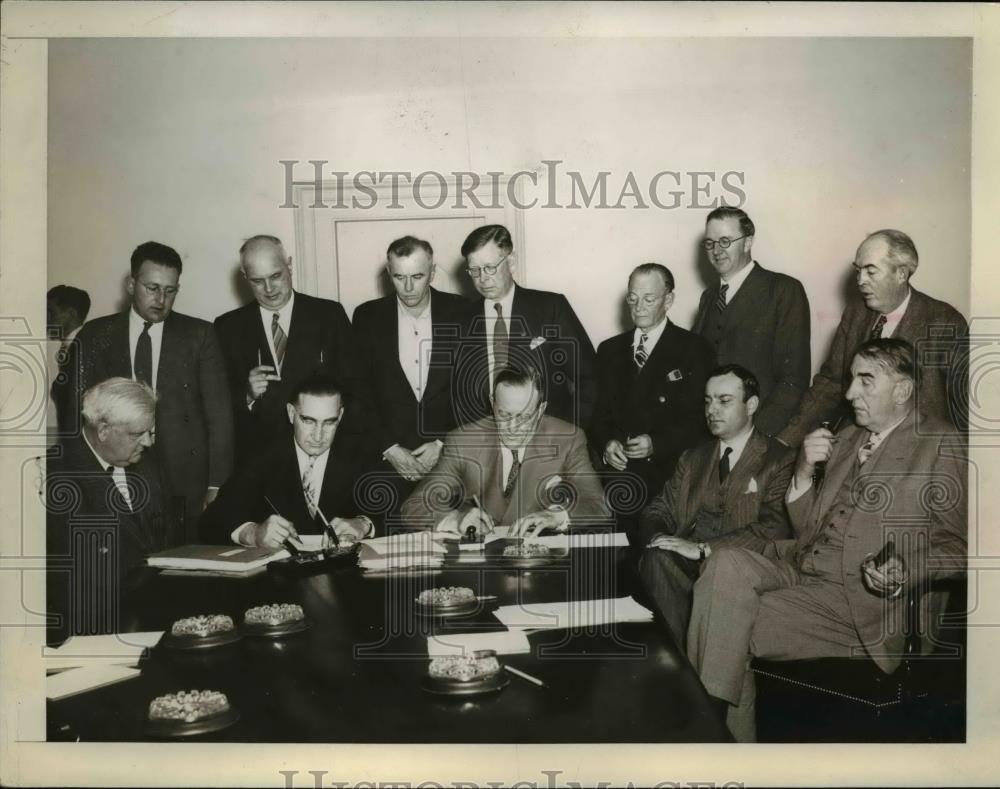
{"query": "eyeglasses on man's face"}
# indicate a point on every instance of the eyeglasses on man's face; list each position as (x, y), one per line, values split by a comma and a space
(725, 242)
(649, 299)
(478, 271)
(155, 290)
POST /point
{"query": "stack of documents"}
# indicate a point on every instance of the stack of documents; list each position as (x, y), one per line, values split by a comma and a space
(89, 662)
(580, 539)
(577, 613)
(504, 642)
(401, 552)
(223, 558)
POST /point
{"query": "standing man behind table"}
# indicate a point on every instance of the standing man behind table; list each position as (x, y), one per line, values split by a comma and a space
(890, 307)
(179, 357)
(517, 326)
(277, 340)
(755, 318)
(407, 344)
(652, 390)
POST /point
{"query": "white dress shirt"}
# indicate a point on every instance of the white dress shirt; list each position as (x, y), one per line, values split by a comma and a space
(736, 280)
(117, 474)
(135, 324)
(893, 318)
(653, 334)
(490, 312)
(737, 444)
(414, 336)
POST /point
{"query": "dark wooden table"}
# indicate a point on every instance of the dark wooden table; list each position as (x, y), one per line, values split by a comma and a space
(355, 675)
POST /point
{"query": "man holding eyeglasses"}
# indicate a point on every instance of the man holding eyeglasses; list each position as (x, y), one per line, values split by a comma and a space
(179, 358)
(516, 325)
(652, 386)
(755, 317)
(518, 467)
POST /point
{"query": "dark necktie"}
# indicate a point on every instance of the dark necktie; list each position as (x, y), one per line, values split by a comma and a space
(640, 352)
(877, 328)
(143, 368)
(280, 340)
(515, 469)
(724, 465)
(720, 303)
(500, 341)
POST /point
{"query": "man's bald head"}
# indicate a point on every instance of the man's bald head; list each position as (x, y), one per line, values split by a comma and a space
(268, 271)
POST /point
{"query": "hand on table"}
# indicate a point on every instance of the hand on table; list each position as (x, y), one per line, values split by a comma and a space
(271, 533)
(536, 522)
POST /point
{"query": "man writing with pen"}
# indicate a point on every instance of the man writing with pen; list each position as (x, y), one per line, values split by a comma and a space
(518, 467)
(299, 484)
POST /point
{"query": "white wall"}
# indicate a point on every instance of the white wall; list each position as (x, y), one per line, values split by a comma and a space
(179, 141)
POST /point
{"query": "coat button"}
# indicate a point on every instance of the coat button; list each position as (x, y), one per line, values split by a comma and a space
(662, 399)
(187, 418)
(193, 452)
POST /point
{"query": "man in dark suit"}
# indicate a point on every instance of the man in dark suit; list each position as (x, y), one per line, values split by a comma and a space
(66, 311)
(890, 515)
(107, 509)
(407, 344)
(179, 357)
(890, 307)
(650, 407)
(756, 318)
(277, 340)
(518, 467)
(730, 491)
(515, 325)
(299, 480)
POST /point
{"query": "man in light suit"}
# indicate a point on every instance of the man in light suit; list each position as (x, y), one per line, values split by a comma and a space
(277, 340)
(756, 318)
(179, 357)
(519, 467)
(108, 507)
(652, 390)
(890, 307)
(889, 516)
(299, 479)
(514, 325)
(407, 345)
(730, 491)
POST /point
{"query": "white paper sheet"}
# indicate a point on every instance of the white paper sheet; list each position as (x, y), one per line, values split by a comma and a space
(395, 561)
(404, 543)
(578, 613)
(121, 649)
(80, 680)
(504, 642)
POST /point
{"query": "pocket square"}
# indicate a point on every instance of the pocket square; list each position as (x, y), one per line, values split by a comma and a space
(675, 375)
(751, 486)
(535, 342)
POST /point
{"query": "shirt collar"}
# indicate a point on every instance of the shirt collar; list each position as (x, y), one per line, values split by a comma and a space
(103, 463)
(738, 443)
(423, 316)
(136, 322)
(652, 334)
(897, 314)
(304, 457)
(507, 302)
(284, 314)
(878, 438)
(737, 279)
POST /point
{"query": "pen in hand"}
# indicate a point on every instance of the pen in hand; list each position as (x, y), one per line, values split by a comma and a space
(287, 541)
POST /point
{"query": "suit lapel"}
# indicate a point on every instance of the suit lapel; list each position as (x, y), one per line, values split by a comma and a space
(912, 324)
(258, 347)
(170, 353)
(739, 477)
(519, 324)
(119, 353)
(839, 468)
(705, 479)
(437, 374)
(492, 464)
(660, 354)
(390, 346)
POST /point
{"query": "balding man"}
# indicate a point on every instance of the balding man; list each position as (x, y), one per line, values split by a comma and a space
(890, 307)
(406, 353)
(277, 340)
(107, 505)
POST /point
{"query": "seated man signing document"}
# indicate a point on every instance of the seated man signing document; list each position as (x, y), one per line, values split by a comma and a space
(299, 483)
(516, 468)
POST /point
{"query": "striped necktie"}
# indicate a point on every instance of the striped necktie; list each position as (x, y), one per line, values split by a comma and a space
(280, 340)
(640, 352)
(308, 488)
(515, 470)
(866, 449)
(877, 328)
(720, 303)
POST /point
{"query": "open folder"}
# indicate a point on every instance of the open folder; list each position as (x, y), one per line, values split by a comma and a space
(576, 613)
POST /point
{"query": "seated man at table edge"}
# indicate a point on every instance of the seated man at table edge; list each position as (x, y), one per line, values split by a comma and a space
(290, 486)
(518, 467)
(108, 507)
(728, 491)
(888, 516)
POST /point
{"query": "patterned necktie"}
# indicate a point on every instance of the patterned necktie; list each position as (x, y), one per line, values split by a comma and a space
(308, 488)
(724, 465)
(280, 340)
(144, 356)
(500, 341)
(640, 353)
(877, 328)
(121, 490)
(515, 469)
(866, 449)
(720, 303)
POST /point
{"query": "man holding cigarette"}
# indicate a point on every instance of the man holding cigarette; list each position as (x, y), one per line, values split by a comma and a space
(299, 483)
(889, 516)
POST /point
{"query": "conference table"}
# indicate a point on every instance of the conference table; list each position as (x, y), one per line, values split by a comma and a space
(355, 674)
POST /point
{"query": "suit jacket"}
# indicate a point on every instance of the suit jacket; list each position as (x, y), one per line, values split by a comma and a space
(654, 400)
(274, 473)
(64, 390)
(319, 337)
(765, 328)
(400, 418)
(565, 357)
(914, 488)
(194, 425)
(95, 543)
(939, 334)
(555, 469)
(747, 510)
